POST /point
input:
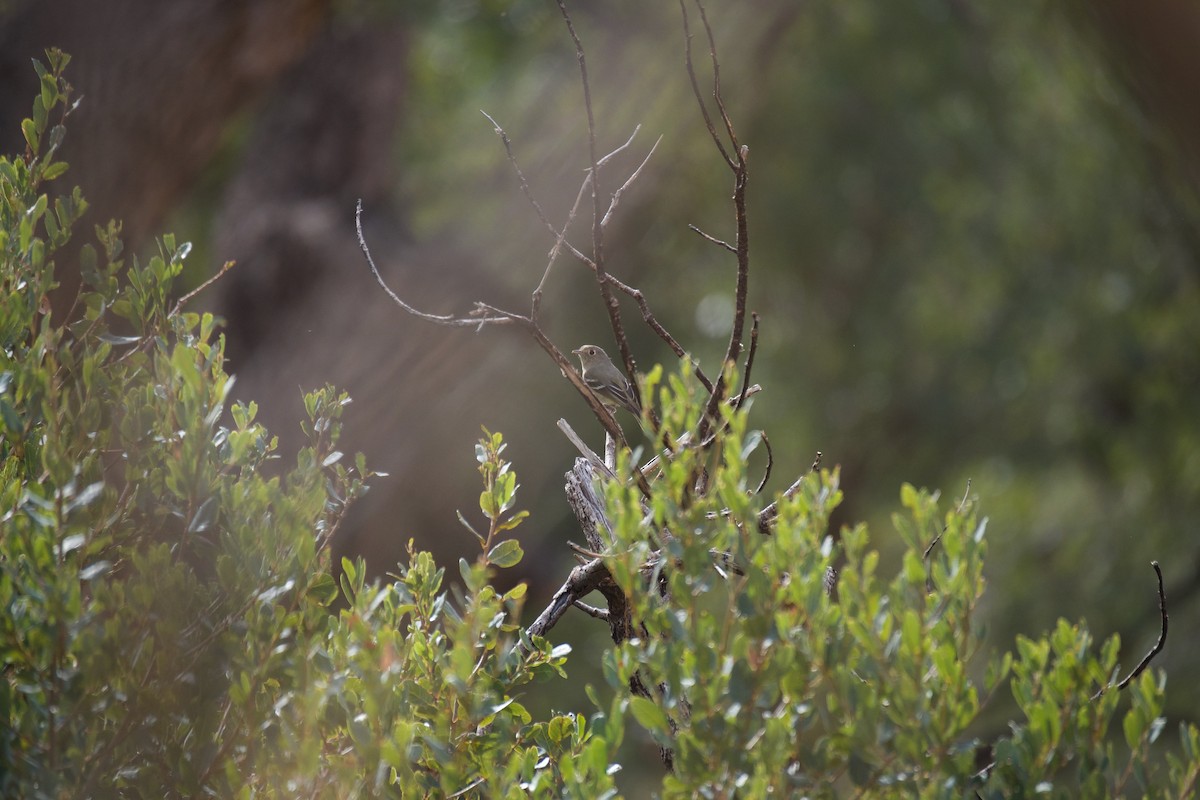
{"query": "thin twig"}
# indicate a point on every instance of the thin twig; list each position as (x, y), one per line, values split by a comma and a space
(691, 71)
(766, 517)
(749, 359)
(560, 242)
(559, 235)
(654, 325)
(1158, 646)
(616, 198)
(560, 239)
(962, 504)
(512, 159)
(716, 68)
(713, 239)
(441, 319)
(770, 463)
(473, 784)
(592, 611)
(228, 265)
(610, 302)
(736, 163)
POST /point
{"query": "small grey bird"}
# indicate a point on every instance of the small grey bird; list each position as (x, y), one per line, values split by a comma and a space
(607, 382)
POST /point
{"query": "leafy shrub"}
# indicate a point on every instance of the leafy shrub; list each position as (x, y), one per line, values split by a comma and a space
(170, 626)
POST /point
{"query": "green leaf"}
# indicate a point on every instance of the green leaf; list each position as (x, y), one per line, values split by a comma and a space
(506, 554)
(487, 504)
(12, 420)
(204, 515)
(49, 91)
(649, 716)
(323, 590)
(29, 128)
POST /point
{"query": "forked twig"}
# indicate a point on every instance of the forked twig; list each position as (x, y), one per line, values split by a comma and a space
(616, 198)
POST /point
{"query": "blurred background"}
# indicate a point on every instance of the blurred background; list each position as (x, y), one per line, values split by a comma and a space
(974, 236)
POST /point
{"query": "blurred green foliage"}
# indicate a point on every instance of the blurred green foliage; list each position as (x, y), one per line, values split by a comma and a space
(168, 626)
(768, 684)
(973, 250)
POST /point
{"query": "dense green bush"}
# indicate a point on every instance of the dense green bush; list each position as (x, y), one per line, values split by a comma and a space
(172, 626)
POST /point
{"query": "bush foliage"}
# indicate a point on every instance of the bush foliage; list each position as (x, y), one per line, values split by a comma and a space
(173, 626)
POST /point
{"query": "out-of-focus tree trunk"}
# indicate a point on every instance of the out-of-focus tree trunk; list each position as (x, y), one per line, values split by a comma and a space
(160, 83)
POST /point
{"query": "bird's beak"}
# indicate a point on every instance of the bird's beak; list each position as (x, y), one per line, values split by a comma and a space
(577, 350)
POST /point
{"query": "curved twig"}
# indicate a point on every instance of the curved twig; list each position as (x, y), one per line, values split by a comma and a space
(767, 517)
(1158, 646)
(479, 320)
(749, 359)
(691, 71)
(770, 463)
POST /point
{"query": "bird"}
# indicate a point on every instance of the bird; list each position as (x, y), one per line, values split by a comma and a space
(607, 382)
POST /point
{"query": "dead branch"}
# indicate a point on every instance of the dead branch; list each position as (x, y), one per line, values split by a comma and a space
(770, 463)
(1158, 646)
(588, 506)
(616, 198)
(749, 359)
(587, 452)
(713, 239)
(737, 164)
(691, 71)
(475, 320)
(610, 301)
(582, 581)
(767, 517)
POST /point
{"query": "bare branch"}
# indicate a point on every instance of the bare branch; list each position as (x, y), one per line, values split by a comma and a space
(475, 321)
(622, 148)
(766, 517)
(610, 302)
(691, 71)
(713, 239)
(654, 325)
(586, 451)
(749, 360)
(737, 163)
(560, 237)
(183, 301)
(512, 159)
(770, 463)
(582, 581)
(716, 68)
(592, 611)
(616, 198)
(1158, 646)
